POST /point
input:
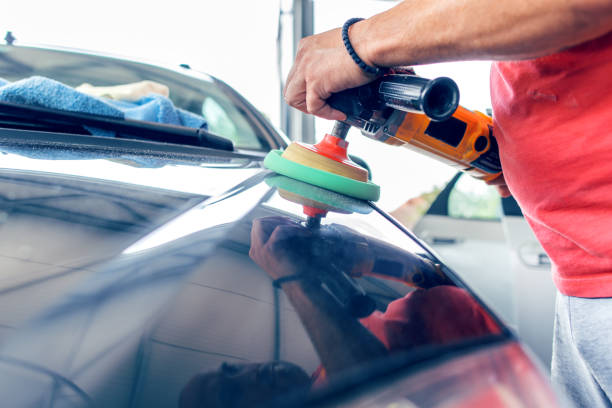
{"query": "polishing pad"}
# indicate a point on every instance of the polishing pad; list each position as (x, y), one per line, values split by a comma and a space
(363, 190)
(313, 196)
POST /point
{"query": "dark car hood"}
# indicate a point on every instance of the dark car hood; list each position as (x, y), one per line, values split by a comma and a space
(77, 230)
(86, 211)
(122, 282)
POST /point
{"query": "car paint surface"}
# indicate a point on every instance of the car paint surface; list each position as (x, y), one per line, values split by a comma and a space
(142, 274)
(501, 259)
(123, 291)
(458, 383)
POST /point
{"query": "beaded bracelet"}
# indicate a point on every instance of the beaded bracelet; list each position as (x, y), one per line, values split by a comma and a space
(278, 282)
(347, 43)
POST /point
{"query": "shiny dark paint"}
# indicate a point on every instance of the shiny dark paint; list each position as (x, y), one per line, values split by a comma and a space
(121, 289)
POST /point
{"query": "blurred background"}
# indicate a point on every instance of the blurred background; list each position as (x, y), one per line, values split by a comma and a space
(250, 45)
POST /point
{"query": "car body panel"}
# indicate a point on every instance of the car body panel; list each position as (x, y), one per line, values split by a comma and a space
(535, 293)
(459, 383)
(143, 274)
(126, 310)
(471, 245)
(501, 259)
(122, 314)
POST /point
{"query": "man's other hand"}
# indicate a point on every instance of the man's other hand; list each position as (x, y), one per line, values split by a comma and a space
(500, 183)
(278, 245)
(323, 66)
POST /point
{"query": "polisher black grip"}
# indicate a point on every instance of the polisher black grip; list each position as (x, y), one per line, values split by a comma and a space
(437, 98)
(358, 102)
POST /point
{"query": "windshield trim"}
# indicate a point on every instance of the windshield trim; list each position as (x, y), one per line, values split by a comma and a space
(63, 141)
(19, 114)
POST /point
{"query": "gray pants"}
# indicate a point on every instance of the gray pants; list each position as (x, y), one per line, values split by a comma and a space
(582, 350)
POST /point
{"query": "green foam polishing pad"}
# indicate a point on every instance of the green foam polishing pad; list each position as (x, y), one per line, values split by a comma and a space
(330, 181)
(331, 201)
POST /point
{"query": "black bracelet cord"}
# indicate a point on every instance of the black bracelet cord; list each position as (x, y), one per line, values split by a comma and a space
(278, 282)
(349, 48)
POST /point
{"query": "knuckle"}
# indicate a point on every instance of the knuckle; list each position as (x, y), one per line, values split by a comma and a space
(292, 101)
(300, 48)
(313, 104)
(289, 96)
(303, 43)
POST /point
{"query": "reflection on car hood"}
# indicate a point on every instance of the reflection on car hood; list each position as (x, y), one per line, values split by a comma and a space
(138, 279)
(98, 205)
(70, 222)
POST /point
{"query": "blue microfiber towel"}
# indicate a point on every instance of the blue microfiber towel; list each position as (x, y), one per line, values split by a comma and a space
(157, 108)
(48, 93)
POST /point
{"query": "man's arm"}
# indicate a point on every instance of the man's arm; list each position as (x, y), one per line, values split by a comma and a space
(280, 247)
(339, 339)
(427, 31)
(418, 32)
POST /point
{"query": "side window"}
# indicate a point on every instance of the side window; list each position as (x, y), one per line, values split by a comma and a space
(473, 199)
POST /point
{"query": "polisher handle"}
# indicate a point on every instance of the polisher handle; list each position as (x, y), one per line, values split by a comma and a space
(437, 98)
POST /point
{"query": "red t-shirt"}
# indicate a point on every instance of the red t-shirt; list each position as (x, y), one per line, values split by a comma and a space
(439, 315)
(553, 122)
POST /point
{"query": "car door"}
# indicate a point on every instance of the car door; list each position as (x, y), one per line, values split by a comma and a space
(464, 227)
(491, 246)
(534, 295)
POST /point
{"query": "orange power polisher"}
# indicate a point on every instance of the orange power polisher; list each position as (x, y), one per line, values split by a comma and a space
(423, 115)
(397, 109)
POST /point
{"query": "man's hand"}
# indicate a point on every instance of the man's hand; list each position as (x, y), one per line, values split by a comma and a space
(323, 66)
(500, 184)
(277, 245)
(426, 32)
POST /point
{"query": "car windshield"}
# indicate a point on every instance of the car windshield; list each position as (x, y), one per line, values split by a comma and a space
(225, 112)
(121, 292)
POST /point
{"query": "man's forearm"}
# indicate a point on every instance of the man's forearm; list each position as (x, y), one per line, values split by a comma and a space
(427, 31)
(339, 339)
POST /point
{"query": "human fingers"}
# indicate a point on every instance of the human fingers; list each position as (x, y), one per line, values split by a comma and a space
(501, 186)
(262, 250)
(263, 228)
(311, 101)
(294, 90)
(498, 181)
(504, 191)
(283, 251)
(316, 105)
(295, 93)
(289, 237)
(322, 67)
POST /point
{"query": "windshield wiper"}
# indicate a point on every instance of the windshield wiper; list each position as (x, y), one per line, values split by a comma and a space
(14, 115)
